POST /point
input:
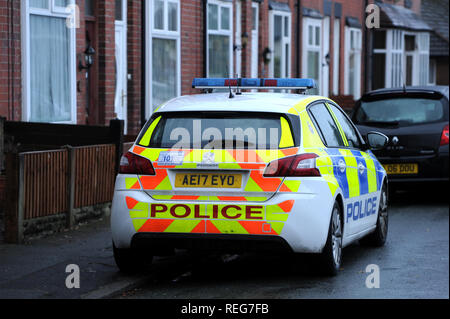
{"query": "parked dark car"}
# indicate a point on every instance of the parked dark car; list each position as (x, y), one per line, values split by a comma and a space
(416, 121)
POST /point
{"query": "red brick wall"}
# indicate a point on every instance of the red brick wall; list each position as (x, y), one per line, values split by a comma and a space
(192, 47)
(10, 60)
(106, 59)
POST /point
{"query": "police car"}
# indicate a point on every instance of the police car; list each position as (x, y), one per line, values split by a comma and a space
(249, 171)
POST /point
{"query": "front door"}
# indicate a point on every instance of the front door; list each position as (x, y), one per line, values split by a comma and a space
(120, 102)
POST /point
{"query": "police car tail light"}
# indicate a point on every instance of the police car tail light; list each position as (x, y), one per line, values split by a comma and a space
(131, 163)
(444, 136)
(298, 165)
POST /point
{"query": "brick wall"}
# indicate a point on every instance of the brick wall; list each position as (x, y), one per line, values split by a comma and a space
(10, 60)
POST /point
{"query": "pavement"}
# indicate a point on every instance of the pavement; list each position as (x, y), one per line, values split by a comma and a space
(413, 264)
(37, 269)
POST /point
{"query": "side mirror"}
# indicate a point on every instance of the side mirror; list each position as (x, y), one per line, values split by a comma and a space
(377, 140)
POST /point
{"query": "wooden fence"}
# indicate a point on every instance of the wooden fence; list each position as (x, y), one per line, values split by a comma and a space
(53, 182)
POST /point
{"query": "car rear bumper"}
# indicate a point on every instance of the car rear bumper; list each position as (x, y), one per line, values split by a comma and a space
(431, 168)
(303, 229)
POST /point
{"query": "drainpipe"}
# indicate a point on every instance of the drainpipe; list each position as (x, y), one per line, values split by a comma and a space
(143, 54)
(299, 46)
(205, 34)
(368, 53)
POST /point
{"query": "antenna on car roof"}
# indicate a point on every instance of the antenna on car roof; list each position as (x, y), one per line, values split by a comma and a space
(231, 93)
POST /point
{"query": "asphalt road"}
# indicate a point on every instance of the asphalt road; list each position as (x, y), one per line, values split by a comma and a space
(413, 264)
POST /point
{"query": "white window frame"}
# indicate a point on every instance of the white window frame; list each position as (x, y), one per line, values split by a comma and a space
(284, 40)
(160, 34)
(220, 31)
(357, 51)
(56, 12)
(423, 43)
(308, 47)
(336, 54)
(432, 72)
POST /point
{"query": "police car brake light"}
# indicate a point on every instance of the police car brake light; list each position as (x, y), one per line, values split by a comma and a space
(131, 163)
(253, 83)
(444, 136)
(297, 165)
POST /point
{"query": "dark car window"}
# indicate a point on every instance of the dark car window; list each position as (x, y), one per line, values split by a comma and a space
(347, 127)
(326, 125)
(221, 130)
(407, 111)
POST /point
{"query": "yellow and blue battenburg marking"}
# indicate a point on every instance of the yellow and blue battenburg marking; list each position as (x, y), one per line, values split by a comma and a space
(341, 177)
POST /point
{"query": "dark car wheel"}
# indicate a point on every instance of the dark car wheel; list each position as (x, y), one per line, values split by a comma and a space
(331, 256)
(378, 237)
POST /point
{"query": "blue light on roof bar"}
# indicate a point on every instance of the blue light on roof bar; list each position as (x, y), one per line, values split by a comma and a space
(246, 83)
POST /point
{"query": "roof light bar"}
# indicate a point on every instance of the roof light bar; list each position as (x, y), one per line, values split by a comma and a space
(246, 83)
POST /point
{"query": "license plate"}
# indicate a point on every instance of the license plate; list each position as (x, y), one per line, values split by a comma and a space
(396, 169)
(208, 180)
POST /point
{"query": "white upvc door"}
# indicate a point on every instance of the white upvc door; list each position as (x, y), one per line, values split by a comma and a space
(325, 51)
(238, 40)
(336, 55)
(120, 101)
(255, 39)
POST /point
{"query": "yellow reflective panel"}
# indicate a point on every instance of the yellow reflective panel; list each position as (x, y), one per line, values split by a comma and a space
(286, 139)
(145, 140)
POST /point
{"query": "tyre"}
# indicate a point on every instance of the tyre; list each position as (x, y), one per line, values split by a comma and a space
(378, 237)
(129, 261)
(331, 256)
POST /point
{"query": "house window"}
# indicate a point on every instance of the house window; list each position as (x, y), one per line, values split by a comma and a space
(312, 67)
(219, 39)
(164, 52)
(353, 62)
(49, 63)
(280, 42)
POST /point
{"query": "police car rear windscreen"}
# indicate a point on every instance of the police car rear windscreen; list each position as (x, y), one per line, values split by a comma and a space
(221, 130)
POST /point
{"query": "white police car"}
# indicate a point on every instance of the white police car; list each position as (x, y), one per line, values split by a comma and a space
(249, 171)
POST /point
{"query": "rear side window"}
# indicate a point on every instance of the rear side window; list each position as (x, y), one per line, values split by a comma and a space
(221, 130)
(404, 111)
(349, 130)
(327, 127)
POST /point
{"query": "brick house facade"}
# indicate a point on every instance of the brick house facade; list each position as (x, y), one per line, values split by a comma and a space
(146, 51)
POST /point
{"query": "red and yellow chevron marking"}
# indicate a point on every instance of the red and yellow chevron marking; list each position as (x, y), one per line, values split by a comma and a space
(289, 186)
(160, 181)
(132, 183)
(211, 218)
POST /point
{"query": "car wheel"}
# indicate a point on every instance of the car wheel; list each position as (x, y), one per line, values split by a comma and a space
(378, 237)
(129, 261)
(331, 256)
